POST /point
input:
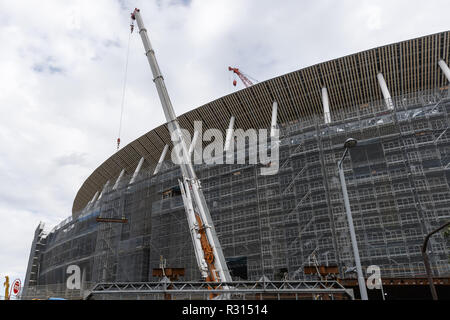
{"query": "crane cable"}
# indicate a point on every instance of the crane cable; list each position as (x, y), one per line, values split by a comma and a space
(124, 85)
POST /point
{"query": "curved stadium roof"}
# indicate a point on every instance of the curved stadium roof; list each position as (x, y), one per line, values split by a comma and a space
(407, 66)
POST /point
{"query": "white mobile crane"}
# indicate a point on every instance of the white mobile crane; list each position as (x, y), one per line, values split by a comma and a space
(209, 255)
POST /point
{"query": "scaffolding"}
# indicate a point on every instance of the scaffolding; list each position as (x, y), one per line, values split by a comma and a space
(398, 183)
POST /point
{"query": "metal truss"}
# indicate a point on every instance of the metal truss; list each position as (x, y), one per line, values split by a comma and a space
(232, 290)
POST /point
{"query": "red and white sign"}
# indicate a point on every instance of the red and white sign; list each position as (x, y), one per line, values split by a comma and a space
(16, 287)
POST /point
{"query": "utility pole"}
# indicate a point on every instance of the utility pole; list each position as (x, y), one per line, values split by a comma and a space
(427, 261)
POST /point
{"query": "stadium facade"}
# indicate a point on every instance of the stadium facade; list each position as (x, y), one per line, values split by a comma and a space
(393, 99)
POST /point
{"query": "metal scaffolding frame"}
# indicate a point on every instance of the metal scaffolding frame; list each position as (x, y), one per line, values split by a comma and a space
(397, 180)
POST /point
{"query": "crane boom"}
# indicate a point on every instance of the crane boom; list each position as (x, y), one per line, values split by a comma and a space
(209, 254)
(244, 78)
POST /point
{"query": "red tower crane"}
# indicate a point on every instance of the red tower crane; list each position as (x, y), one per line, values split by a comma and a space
(244, 78)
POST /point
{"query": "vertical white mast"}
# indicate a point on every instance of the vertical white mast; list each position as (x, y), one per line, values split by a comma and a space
(185, 164)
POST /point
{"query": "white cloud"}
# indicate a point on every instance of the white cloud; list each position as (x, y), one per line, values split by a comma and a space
(62, 66)
(373, 16)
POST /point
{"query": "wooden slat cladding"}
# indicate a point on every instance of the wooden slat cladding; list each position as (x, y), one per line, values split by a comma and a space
(351, 81)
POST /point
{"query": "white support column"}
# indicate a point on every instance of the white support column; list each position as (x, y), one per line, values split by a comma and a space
(187, 169)
(103, 190)
(136, 172)
(326, 106)
(384, 89)
(94, 198)
(193, 143)
(273, 125)
(118, 179)
(229, 134)
(445, 69)
(161, 159)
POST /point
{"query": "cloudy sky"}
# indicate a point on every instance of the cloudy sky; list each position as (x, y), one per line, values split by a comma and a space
(62, 70)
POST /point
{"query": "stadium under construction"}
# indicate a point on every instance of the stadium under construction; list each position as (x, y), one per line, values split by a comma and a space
(277, 232)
